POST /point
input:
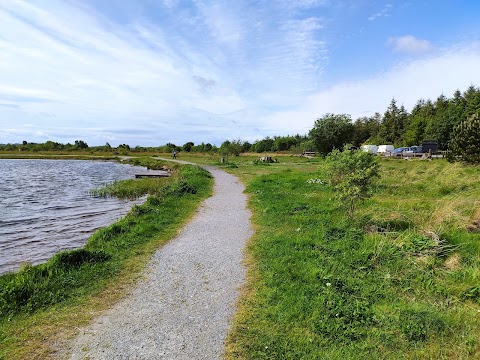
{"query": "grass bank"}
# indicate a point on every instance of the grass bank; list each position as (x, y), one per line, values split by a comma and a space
(56, 156)
(41, 306)
(400, 281)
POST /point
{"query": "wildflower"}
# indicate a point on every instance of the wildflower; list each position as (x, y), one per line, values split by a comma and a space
(329, 284)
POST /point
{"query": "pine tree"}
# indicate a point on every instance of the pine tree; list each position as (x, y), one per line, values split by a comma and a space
(465, 144)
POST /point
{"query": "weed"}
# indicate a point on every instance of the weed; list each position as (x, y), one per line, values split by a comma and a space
(418, 325)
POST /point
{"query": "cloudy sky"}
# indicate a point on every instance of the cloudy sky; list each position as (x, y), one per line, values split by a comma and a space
(148, 72)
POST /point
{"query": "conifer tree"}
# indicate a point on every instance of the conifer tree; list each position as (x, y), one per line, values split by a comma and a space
(465, 144)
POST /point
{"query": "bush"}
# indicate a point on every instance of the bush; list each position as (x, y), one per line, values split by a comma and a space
(352, 173)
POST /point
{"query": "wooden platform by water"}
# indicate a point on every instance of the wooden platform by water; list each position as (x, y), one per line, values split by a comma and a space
(152, 175)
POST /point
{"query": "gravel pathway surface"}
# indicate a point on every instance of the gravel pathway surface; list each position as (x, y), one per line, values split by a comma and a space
(183, 307)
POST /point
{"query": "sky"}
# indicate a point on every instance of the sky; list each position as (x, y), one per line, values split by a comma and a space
(149, 72)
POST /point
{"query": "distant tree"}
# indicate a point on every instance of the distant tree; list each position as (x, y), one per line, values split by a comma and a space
(332, 132)
(233, 147)
(80, 144)
(124, 147)
(395, 121)
(465, 143)
(421, 117)
(263, 145)
(246, 147)
(188, 146)
(472, 101)
(307, 145)
(366, 128)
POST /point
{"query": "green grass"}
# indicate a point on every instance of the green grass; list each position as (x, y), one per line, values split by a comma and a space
(131, 189)
(40, 303)
(399, 281)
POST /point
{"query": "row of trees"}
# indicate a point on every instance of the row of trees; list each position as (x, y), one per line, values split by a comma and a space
(428, 120)
(277, 143)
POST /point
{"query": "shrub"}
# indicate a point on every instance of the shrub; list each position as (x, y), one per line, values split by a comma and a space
(352, 173)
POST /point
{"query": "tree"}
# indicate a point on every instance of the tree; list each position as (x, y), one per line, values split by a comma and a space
(188, 146)
(366, 128)
(395, 121)
(263, 145)
(420, 118)
(80, 144)
(332, 132)
(352, 173)
(465, 143)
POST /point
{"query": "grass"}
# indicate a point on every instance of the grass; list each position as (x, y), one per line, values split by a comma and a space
(131, 189)
(59, 156)
(43, 305)
(399, 281)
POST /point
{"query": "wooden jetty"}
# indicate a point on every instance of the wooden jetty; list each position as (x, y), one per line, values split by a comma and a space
(152, 175)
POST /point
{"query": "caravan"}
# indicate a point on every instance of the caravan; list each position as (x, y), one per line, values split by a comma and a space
(385, 150)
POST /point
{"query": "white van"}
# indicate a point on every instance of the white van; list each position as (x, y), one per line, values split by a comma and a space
(385, 149)
(372, 149)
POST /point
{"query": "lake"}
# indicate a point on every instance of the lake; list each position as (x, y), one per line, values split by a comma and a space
(45, 206)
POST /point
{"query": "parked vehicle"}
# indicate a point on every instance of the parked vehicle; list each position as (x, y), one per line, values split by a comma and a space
(398, 151)
(429, 145)
(385, 149)
(372, 149)
(413, 151)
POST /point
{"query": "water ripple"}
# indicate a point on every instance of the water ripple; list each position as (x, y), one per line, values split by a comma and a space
(45, 206)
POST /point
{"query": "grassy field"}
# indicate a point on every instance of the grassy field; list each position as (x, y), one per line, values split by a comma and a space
(42, 306)
(399, 281)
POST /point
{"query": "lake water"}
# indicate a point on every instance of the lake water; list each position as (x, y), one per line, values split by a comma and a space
(45, 206)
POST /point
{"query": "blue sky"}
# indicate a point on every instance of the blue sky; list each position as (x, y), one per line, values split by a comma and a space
(156, 71)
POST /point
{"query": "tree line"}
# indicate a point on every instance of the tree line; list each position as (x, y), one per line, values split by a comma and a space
(428, 120)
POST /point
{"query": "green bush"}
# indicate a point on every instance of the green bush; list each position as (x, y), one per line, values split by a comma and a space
(352, 173)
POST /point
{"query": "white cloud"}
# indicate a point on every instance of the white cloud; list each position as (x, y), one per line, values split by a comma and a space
(385, 12)
(409, 44)
(454, 68)
(207, 75)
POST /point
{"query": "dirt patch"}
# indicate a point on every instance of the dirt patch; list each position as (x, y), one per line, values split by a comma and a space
(453, 262)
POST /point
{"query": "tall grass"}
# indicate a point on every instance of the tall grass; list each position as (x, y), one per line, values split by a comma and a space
(131, 188)
(399, 281)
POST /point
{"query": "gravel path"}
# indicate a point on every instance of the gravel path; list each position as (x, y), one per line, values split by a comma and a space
(183, 307)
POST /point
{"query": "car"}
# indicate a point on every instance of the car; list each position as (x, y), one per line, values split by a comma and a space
(413, 151)
(399, 151)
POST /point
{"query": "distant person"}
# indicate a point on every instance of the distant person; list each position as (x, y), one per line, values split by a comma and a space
(174, 154)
